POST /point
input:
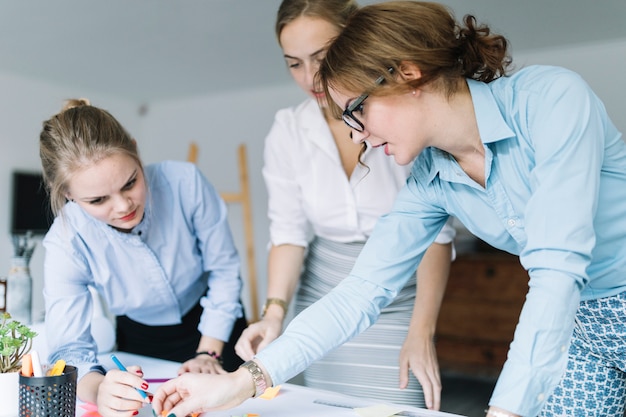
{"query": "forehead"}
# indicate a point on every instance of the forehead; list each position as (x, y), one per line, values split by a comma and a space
(103, 177)
(306, 35)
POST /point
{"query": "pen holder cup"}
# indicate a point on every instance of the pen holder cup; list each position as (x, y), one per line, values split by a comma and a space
(49, 396)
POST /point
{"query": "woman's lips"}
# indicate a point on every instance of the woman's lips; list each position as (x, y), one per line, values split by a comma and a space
(129, 216)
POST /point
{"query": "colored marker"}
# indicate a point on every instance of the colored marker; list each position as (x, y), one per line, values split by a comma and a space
(34, 357)
(156, 380)
(57, 369)
(27, 365)
(123, 368)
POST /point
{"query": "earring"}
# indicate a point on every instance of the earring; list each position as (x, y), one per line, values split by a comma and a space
(413, 92)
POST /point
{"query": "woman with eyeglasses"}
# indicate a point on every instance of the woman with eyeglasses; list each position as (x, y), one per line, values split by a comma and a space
(528, 161)
(323, 204)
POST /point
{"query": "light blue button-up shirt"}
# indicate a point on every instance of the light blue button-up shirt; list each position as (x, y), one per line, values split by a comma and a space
(555, 169)
(181, 251)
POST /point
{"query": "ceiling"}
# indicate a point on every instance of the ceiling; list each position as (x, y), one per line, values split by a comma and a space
(151, 50)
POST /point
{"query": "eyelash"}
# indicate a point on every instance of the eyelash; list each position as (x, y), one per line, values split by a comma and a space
(130, 184)
(297, 64)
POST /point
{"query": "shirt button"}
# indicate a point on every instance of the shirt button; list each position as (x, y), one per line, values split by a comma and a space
(511, 222)
(540, 397)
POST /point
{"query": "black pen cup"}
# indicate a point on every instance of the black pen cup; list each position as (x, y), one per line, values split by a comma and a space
(49, 396)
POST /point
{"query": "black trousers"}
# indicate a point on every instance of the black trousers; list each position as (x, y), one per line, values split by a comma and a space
(176, 343)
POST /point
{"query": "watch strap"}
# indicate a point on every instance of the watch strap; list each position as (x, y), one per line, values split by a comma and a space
(280, 302)
(260, 385)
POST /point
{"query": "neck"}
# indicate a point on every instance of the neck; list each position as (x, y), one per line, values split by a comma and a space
(459, 134)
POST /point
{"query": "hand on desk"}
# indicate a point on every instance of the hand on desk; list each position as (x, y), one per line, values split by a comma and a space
(203, 364)
(256, 336)
(118, 392)
(197, 393)
(418, 355)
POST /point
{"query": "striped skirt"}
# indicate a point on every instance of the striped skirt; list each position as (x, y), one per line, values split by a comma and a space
(366, 366)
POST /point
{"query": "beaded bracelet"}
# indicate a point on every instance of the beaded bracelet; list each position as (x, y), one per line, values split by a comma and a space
(212, 354)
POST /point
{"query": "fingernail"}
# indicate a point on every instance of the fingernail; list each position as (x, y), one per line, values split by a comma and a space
(139, 371)
(171, 415)
(150, 397)
(144, 386)
(135, 412)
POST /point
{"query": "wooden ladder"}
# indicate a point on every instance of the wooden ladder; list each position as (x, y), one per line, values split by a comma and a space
(242, 197)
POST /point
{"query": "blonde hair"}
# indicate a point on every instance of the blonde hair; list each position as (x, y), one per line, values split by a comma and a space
(336, 12)
(77, 137)
(379, 38)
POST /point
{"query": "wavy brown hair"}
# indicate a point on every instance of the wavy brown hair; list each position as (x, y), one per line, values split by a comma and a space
(79, 136)
(379, 38)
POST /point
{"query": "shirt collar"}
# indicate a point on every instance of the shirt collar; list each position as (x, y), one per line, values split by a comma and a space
(491, 125)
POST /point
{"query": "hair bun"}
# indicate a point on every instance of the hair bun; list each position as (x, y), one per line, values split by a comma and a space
(76, 102)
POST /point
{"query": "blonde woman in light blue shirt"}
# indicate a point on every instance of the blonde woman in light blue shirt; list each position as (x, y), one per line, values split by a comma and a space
(155, 244)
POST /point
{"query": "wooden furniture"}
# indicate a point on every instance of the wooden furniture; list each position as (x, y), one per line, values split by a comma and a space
(242, 197)
(480, 310)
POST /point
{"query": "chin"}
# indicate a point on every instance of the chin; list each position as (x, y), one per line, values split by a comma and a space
(402, 161)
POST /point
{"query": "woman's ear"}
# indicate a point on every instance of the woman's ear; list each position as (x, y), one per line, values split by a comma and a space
(409, 71)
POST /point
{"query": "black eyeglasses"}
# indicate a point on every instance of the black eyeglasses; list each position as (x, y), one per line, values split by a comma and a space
(348, 116)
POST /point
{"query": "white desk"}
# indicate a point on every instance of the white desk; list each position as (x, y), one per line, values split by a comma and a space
(292, 400)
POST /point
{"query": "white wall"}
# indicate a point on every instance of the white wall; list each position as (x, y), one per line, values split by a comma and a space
(600, 64)
(219, 124)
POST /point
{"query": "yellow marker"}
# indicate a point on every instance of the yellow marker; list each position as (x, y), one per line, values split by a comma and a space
(57, 369)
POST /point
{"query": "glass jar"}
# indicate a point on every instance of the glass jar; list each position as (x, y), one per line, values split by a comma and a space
(19, 290)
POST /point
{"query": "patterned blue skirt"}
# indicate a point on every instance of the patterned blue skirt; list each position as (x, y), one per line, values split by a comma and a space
(594, 382)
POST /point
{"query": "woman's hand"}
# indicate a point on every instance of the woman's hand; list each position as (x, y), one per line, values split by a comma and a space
(118, 392)
(418, 354)
(202, 364)
(197, 393)
(257, 336)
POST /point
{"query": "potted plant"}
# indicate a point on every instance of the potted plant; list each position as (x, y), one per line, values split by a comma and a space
(16, 340)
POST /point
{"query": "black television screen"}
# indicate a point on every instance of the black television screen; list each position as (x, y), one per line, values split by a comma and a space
(31, 205)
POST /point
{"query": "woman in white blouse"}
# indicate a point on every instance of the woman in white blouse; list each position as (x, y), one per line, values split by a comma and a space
(325, 196)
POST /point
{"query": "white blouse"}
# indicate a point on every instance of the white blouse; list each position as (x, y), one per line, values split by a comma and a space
(309, 192)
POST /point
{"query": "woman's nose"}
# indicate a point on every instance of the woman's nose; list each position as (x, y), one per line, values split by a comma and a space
(124, 203)
(311, 72)
(358, 137)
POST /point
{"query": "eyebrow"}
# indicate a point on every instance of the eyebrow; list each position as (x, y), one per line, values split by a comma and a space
(353, 99)
(313, 54)
(132, 175)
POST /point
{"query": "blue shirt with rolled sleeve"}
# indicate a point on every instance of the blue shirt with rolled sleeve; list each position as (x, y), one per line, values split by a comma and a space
(555, 194)
(181, 252)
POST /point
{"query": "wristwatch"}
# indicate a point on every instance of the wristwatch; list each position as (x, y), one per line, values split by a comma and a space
(260, 384)
(277, 301)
